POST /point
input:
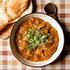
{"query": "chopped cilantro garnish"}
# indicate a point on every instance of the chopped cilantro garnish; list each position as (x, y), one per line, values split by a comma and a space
(35, 37)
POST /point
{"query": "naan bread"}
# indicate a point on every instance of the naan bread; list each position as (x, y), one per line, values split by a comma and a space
(15, 7)
(10, 10)
(3, 18)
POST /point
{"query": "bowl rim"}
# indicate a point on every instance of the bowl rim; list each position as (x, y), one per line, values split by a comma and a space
(16, 30)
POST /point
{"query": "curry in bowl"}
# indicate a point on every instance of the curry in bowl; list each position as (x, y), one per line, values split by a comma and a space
(36, 40)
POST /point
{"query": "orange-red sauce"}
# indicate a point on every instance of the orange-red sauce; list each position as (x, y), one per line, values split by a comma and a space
(42, 52)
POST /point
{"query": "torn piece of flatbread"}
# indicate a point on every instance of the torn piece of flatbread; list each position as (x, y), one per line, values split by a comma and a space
(3, 18)
(10, 10)
(2, 24)
(5, 33)
(16, 7)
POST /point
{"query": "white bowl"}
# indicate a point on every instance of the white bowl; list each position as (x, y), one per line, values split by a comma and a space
(54, 23)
